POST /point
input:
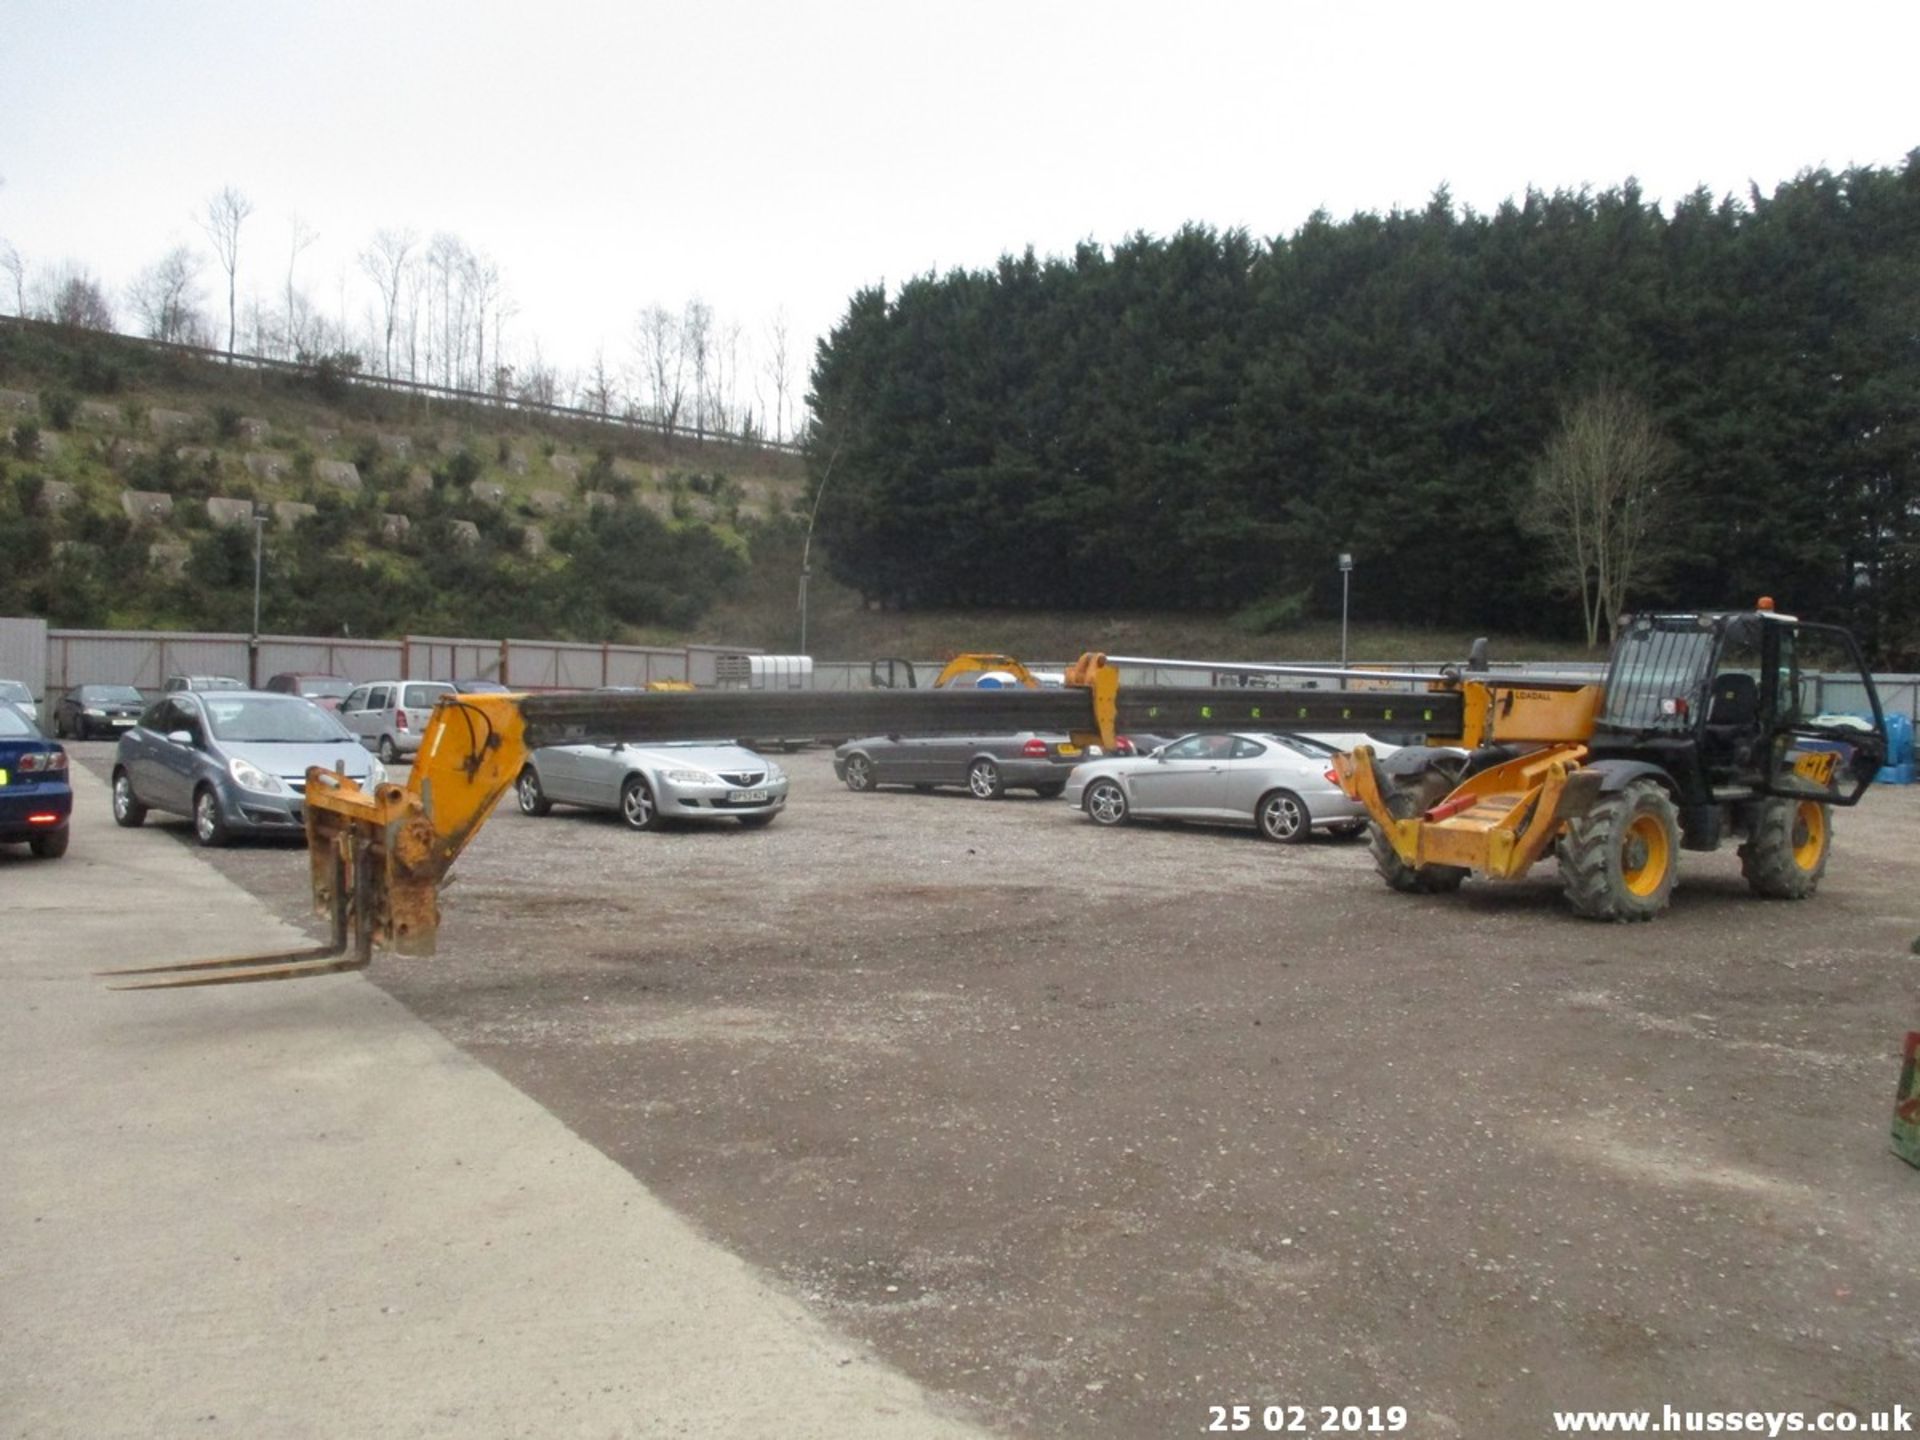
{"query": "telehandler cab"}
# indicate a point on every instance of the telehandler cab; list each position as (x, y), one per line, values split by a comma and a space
(1702, 730)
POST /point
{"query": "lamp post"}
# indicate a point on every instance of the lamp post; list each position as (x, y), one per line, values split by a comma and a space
(253, 640)
(1346, 582)
(806, 549)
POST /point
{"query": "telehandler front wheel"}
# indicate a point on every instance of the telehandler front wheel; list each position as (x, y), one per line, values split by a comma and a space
(1787, 846)
(1410, 879)
(1617, 862)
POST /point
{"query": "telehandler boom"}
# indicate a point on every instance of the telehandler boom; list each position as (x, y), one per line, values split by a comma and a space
(1702, 730)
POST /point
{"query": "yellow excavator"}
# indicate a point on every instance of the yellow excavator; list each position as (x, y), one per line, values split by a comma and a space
(1702, 730)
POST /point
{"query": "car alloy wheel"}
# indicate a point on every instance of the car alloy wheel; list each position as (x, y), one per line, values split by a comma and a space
(983, 779)
(1283, 817)
(209, 826)
(389, 752)
(533, 800)
(859, 773)
(126, 809)
(637, 806)
(1106, 803)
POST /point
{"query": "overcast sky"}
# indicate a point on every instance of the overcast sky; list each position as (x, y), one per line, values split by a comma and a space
(766, 155)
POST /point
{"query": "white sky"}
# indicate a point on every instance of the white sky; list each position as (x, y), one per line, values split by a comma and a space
(761, 155)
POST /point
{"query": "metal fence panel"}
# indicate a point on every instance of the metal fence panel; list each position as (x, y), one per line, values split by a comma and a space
(639, 664)
(355, 660)
(441, 657)
(23, 654)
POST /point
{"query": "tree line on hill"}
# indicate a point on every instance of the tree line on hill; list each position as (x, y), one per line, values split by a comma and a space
(1209, 420)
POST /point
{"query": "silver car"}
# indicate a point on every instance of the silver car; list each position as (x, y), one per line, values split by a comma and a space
(987, 765)
(15, 692)
(646, 784)
(389, 715)
(1282, 785)
(235, 761)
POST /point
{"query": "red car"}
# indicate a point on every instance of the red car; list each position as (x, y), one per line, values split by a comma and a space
(326, 691)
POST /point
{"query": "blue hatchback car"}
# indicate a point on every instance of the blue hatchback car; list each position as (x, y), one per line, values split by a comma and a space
(35, 799)
(234, 761)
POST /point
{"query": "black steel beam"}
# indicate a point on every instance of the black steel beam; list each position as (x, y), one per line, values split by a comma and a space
(595, 718)
(768, 715)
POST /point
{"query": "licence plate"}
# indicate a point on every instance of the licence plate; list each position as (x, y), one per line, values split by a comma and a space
(1066, 749)
(3, 777)
(123, 719)
(749, 797)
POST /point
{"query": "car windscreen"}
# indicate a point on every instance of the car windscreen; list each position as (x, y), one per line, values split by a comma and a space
(258, 719)
(324, 687)
(14, 724)
(423, 697)
(15, 691)
(111, 695)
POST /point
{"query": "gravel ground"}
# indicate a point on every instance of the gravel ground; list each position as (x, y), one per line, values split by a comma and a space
(1093, 1130)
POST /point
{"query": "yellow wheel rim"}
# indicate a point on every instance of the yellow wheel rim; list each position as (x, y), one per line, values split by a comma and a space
(1645, 855)
(1809, 834)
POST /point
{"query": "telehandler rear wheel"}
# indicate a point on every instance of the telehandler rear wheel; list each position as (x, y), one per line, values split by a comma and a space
(1787, 847)
(1617, 862)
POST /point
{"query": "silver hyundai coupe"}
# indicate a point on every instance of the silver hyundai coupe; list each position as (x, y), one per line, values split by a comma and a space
(1282, 785)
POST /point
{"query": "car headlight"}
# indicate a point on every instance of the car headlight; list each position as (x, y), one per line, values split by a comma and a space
(376, 772)
(249, 776)
(690, 777)
(774, 772)
(92, 711)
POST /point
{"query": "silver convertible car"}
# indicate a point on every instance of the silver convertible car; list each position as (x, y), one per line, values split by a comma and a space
(1282, 785)
(646, 784)
(988, 765)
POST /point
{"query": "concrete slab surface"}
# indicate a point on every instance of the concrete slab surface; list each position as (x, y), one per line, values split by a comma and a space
(294, 1210)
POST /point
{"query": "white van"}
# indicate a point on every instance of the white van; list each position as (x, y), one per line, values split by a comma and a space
(389, 715)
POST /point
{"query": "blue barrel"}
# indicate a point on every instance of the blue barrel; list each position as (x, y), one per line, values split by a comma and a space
(1899, 740)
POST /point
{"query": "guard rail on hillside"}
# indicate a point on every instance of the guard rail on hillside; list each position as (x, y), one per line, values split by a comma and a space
(484, 399)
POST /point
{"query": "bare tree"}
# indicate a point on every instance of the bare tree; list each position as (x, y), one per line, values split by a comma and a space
(696, 340)
(780, 369)
(1598, 501)
(166, 298)
(657, 339)
(385, 263)
(77, 299)
(600, 392)
(16, 267)
(226, 212)
(483, 287)
(302, 236)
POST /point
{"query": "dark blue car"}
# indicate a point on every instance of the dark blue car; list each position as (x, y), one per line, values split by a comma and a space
(35, 798)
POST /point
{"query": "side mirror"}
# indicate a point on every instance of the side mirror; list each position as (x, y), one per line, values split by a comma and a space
(180, 737)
